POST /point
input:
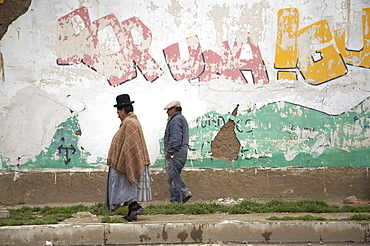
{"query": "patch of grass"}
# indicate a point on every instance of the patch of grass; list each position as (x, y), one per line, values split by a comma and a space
(279, 206)
(40, 216)
(107, 219)
(304, 217)
(53, 215)
(247, 207)
(196, 208)
(355, 209)
(100, 209)
(359, 217)
(301, 206)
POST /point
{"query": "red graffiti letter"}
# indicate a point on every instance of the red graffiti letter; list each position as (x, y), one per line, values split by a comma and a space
(140, 54)
(181, 69)
(73, 28)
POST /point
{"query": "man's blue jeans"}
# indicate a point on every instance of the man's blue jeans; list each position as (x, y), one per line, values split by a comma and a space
(177, 188)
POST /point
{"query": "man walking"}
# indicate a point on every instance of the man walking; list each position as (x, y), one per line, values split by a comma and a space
(128, 161)
(176, 140)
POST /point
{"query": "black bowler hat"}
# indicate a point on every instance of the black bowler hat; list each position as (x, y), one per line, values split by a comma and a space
(123, 100)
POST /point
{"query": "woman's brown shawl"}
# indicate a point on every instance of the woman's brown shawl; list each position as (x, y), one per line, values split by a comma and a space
(128, 153)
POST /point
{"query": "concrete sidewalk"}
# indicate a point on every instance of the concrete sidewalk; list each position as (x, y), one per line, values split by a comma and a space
(213, 229)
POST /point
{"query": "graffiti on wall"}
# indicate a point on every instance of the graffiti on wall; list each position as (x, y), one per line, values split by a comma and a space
(107, 46)
(324, 65)
(276, 135)
(63, 151)
(280, 134)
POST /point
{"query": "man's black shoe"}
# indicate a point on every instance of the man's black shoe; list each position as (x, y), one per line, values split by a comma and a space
(186, 198)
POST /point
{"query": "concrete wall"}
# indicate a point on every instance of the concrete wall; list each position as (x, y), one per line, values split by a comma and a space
(268, 83)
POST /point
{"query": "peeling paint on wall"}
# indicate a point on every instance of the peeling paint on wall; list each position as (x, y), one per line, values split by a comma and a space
(277, 135)
(11, 10)
(283, 134)
(2, 70)
(226, 145)
(64, 151)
